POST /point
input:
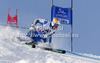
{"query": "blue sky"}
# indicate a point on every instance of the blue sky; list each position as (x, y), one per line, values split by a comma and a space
(86, 19)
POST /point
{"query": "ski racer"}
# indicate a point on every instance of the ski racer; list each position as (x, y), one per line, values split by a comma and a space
(42, 30)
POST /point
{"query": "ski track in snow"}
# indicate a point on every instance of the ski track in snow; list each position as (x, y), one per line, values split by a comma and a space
(11, 52)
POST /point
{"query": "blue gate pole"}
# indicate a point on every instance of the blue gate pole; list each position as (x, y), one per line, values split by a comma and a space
(72, 26)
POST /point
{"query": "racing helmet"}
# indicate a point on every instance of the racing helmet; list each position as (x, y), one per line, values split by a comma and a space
(55, 22)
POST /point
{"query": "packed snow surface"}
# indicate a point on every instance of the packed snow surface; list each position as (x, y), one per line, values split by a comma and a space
(11, 51)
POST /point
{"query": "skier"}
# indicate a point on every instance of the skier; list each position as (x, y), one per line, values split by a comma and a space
(42, 30)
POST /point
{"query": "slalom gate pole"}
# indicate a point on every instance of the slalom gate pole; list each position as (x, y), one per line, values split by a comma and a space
(72, 26)
(52, 1)
(51, 10)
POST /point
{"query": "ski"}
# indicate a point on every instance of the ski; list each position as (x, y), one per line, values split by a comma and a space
(48, 49)
(54, 50)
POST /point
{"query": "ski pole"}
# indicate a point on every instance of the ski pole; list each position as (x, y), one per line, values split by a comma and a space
(15, 26)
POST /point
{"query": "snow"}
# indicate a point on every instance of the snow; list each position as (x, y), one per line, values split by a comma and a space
(90, 55)
(11, 51)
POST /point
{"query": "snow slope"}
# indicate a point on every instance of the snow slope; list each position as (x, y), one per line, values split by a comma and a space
(11, 52)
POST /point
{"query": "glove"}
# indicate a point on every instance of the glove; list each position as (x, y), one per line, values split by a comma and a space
(32, 28)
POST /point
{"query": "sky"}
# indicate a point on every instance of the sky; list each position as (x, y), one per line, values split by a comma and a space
(85, 20)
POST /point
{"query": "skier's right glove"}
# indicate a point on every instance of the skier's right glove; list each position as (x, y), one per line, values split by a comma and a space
(32, 28)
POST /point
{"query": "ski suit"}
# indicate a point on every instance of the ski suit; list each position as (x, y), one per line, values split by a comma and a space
(43, 31)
